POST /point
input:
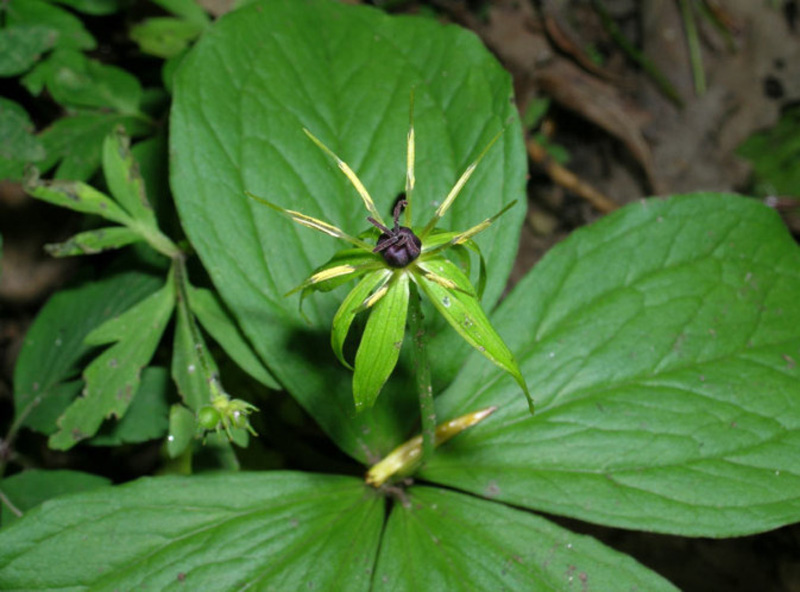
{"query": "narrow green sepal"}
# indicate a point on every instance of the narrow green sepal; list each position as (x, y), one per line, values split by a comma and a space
(439, 238)
(464, 313)
(447, 275)
(350, 307)
(351, 264)
(380, 345)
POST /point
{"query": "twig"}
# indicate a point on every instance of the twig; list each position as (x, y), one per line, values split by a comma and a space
(693, 40)
(569, 180)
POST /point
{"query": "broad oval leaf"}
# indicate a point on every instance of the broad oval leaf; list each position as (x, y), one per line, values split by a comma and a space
(268, 531)
(26, 490)
(242, 98)
(445, 540)
(661, 346)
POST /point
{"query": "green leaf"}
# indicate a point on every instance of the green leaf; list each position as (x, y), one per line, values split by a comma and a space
(54, 346)
(95, 241)
(165, 37)
(222, 326)
(113, 377)
(123, 178)
(77, 81)
(146, 418)
(30, 488)
(182, 428)
(535, 112)
(662, 345)
(773, 154)
(220, 532)
(93, 7)
(189, 10)
(75, 142)
(193, 368)
(65, 29)
(22, 46)
(444, 540)
(381, 343)
(351, 306)
(77, 196)
(18, 145)
(286, 65)
(463, 311)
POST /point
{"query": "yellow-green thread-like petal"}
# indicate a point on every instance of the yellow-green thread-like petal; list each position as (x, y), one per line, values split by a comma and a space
(353, 178)
(456, 190)
(324, 275)
(463, 237)
(311, 222)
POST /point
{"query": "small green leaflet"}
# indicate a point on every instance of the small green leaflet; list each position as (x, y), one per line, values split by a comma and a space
(113, 377)
(224, 329)
(54, 345)
(95, 241)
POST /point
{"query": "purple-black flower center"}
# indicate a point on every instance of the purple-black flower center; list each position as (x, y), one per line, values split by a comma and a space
(398, 246)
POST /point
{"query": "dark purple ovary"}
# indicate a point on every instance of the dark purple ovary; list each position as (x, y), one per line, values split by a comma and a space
(399, 248)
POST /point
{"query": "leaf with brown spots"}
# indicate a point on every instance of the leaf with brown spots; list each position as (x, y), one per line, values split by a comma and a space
(113, 376)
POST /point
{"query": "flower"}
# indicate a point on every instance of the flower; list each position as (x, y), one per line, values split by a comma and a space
(402, 259)
(225, 414)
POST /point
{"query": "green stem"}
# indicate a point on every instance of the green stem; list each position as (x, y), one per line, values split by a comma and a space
(7, 443)
(422, 372)
(156, 239)
(8, 503)
(182, 298)
(693, 40)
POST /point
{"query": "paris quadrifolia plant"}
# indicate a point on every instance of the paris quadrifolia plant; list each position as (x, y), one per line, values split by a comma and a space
(406, 260)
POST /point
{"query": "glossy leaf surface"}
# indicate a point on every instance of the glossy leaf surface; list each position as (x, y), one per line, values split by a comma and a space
(345, 74)
(661, 347)
(444, 540)
(273, 531)
(30, 488)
